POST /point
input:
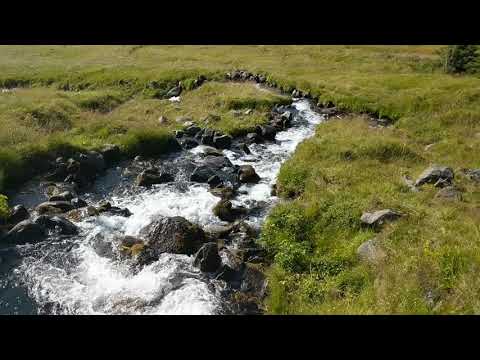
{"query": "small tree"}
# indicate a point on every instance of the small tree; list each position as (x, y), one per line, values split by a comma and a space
(461, 58)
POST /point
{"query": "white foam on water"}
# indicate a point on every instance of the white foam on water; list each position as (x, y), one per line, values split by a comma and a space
(171, 285)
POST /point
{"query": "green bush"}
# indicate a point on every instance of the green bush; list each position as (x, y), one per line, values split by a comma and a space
(461, 58)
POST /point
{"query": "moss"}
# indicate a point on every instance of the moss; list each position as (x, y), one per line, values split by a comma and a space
(4, 209)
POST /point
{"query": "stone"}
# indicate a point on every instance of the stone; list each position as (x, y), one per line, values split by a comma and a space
(214, 181)
(371, 252)
(254, 281)
(248, 111)
(111, 153)
(207, 258)
(175, 91)
(266, 131)
(225, 193)
(65, 196)
(192, 130)
(254, 138)
(474, 175)
(217, 231)
(226, 212)
(435, 173)
(24, 232)
(18, 213)
(210, 151)
(163, 120)
(246, 149)
(247, 174)
(54, 207)
(179, 134)
(188, 143)
(201, 174)
(222, 141)
(450, 193)
(379, 217)
(78, 203)
(152, 176)
(175, 235)
(57, 224)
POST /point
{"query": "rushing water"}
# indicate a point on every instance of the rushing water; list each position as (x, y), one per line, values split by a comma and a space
(68, 276)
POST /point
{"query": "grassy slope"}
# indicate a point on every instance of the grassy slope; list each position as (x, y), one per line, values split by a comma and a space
(432, 252)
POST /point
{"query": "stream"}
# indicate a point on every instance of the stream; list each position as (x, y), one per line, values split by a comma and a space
(66, 275)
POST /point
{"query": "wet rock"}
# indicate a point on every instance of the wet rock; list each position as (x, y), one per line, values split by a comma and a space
(371, 252)
(192, 130)
(174, 235)
(225, 193)
(441, 183)
(214, 181)
(273, 191)
(65, 196)
(116, 211)
(229, 275)
(435, 173)
(217, 231)
(54, 207)
(111, 153)
(58, 224)
(152, 176)
(179, 134)
(130, 246)
(201, 174)
(206, 137)
(450, 193)
(78, 203)
(25, 232)
(222, 141)
(247, 174)
(379, 217)
(210, 151)
(18, 213)
(92, 211)
(266, 131)
(254, 138)
(226, 212)
(104, 206)
(245, 149)
(188, 143)
(138, 158)
(103, 248)
(217, 162)
(58, 174)
(207, 258)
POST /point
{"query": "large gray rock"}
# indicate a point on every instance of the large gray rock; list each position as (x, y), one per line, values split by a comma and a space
(222, 141)
(57, 224)
(247, 174)
(207, 258)
(434, 174)
(25, 232)
(152, 176)
(371, 252)
(18, 213)
(474, 175)
(54, 207)
(174, 235)
(379, 217)
(266, 131)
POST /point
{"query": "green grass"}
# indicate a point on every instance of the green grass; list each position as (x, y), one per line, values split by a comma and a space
(85, 96)
(313, 238)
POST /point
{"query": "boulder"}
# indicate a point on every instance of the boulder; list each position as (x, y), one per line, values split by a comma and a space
(226, 212)
(254, 138)
(192, 130)
(214, 181)
(206, 137)
(371, 252)
(152, 176)
(25, 231)
(54, 207)
(207, 258)
(245, 149)
(188, 143)
(18, 213)
(217, 231)
(64, 196)
(130, 246)
(379, 217)
(474, 175)
(78, 203)
(210, 151)
(179, 134)
(111, 153)
(217, 162)
(174, 235)
(435, 173)
(247, 174)
(202, 173)
(266, 131)
(225, 193)
(222, 141)
(57, 224)
(254, 281)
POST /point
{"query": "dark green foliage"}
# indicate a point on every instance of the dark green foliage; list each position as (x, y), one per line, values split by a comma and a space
(461, 58)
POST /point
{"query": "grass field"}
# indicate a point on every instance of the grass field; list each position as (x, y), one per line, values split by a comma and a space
(85, 96)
